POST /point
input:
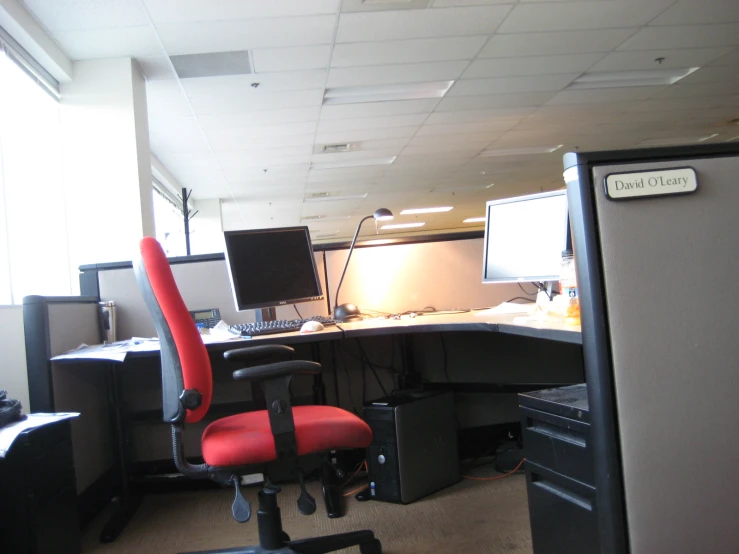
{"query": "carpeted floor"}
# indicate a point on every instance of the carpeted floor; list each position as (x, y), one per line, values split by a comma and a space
(475, 517)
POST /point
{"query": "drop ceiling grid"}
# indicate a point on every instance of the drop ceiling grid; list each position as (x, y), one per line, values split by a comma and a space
(499, 52)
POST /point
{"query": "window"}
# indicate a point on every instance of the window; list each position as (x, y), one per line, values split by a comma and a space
(34, 256)
(168, 222)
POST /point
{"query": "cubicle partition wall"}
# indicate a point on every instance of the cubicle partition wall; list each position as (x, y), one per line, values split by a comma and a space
(656, 239)
(443, 271)
(54, 325)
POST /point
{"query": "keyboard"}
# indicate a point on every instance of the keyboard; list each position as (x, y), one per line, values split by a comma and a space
(261, 328)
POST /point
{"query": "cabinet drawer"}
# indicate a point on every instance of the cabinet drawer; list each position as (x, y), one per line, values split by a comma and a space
(562, 513)
(558, 443)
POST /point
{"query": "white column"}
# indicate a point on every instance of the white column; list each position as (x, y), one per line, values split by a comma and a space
(106, 161)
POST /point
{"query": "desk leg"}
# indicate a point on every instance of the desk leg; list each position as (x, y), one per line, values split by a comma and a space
(128, 501)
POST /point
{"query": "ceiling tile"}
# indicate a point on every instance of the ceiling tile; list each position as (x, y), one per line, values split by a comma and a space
(478, 116)
(73, 15)
(604, 95)
(565, 16)
(120, 42)
(440, 139)
(350, 6)
(692, 12)
(674, 104)
(410, 24)
(234, 156)
(468, 148)
(229, 103)
(692, 36)
(272, 142)
(239, 135)
(374, 109)
(396, 73)
(245, 34)
(266, 83)
(165, 98)
(646, 59)
(506, 85)
(547, 44)
(365, 134)
(531, 65)
(168, 11)
(264, 117)
(406, 51)
(456, 3)
(496, 101)
(732, 58)
(700, 90)
(157, 67)
(291, 59)
(460, 128)
(338, 125)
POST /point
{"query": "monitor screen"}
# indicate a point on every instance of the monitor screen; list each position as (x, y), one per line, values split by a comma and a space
(271, 267)
(525, 237)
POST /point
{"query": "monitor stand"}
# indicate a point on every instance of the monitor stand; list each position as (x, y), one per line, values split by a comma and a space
(266, 314)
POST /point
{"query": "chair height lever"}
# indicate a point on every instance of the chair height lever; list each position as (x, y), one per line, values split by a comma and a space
(240, 508)
(306, 503)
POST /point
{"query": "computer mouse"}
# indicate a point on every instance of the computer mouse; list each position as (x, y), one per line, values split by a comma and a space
(311, 327)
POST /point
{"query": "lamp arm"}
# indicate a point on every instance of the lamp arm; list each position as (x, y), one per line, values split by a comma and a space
(346, 264)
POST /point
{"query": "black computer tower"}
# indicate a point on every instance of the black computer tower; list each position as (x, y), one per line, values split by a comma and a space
(38, 493)
(414, 445)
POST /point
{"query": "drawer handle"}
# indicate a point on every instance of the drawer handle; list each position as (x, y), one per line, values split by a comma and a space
(563, 493)
(556, 432)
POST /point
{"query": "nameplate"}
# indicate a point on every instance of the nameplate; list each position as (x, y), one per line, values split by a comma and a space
(641, 184)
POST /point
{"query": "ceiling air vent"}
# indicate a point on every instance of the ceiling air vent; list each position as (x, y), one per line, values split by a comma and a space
(212, 65)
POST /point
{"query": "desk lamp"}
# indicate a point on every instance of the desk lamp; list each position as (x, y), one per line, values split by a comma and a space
(348, 312)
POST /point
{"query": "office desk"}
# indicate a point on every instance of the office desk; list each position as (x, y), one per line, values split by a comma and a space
(479, 328)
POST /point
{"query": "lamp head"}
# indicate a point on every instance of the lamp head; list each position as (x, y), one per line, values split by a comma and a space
(382, 214)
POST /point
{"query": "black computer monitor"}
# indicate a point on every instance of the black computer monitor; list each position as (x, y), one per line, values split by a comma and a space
(271, 267)
(525, 237)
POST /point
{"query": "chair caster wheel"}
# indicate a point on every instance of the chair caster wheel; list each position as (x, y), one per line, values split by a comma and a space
(372, 547)
(285, 537)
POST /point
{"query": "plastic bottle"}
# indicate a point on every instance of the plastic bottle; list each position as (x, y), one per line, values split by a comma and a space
(568, 288)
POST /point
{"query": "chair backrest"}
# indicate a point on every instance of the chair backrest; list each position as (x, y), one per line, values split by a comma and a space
(185, 362)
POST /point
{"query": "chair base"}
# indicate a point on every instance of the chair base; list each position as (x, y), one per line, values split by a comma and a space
(366, 541)
(272, 539)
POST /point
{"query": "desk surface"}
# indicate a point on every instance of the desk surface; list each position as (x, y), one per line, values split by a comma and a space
(428, 323)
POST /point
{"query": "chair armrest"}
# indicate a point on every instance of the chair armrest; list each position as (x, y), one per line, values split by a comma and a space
(275, 370)
(258, 352)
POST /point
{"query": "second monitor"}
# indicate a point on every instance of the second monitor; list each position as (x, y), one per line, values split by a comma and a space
(271, 267)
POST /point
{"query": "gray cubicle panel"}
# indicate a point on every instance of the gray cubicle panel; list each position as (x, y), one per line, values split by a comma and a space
(442, 272)
(203, 283)
(53, 325)
(659, 326)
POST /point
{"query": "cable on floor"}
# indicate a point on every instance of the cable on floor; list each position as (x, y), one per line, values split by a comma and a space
(497, 476)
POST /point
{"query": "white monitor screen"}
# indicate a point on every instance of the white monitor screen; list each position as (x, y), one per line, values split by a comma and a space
(525, 237)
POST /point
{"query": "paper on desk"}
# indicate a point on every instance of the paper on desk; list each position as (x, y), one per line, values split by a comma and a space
(508, 308)
(115, 352)
(9, 433)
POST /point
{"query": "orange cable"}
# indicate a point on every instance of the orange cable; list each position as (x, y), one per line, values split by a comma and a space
(496, 477)
(355, 491)
(362, 466)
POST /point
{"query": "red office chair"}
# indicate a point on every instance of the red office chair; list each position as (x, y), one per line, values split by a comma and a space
(231, 446)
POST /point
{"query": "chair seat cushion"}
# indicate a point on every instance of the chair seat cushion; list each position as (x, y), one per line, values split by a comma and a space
(246, 438)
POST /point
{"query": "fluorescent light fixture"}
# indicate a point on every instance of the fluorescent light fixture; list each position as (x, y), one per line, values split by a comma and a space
(334, 198)
(677, 140)
(519, 151)
(414, 211)
(353, 163)
(733, 139)
(652, 77)
(324, 217)
(376, 242)
(384, 93)
(474, 220)
(402, 225)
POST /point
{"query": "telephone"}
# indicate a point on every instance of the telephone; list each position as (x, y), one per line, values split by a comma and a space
(10, 410)
(206, 318)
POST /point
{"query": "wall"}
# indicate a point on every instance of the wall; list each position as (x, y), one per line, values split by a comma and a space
(13, 376)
